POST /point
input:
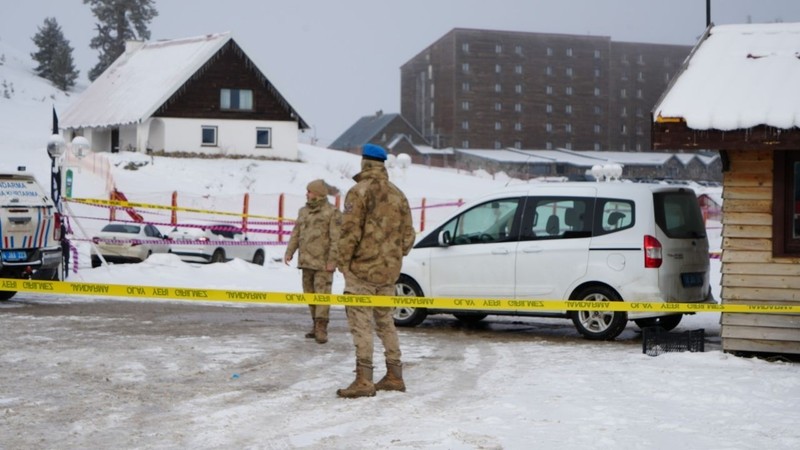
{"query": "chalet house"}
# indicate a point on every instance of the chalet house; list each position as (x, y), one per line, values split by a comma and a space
(738, 93)
(390, 131)
(199, 95)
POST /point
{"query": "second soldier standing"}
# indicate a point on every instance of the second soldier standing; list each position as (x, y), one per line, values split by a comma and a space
(315, 234)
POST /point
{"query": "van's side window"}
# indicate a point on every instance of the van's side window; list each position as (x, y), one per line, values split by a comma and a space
(558, 218)
(489, 222)
(614, 215)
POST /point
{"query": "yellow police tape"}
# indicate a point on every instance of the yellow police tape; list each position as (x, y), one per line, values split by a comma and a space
(237, 296)
(127, 204)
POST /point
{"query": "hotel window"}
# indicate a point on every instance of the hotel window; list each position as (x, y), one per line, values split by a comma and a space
(498, 126)
(498, 106)
(518, 126)
(597, 110)
(498, 145)
(518, 49)
(639, 112)
(597, 54)
(517, 145)
(568, 109)
(568, 146)
(623, 129)
(548, 127)
(597, 92)
(549, 90)
(640, 60)
(640, 76)
(208, 136)
(597, 73)
(548, 71)
(548, 108)
(464, 67)
(597, 147)
(465, 125)
(236, 99)
(498, 88)
(518, 107)
(465, 105)
(497, 68)
(498, 48)
(568, 128)
(624, 111)
(666, 78)
(638, 93)
(465, 47)
(623, 93)
(518, 69)
(264, 137)
(465, 87)
(518, 89)
(548, 145)
(568, 90)
(549, 51)
(569, 52)
(597, 129)
(464, 144)
(569, 72)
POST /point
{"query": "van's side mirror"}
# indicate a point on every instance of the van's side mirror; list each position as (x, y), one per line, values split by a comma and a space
(444, 238)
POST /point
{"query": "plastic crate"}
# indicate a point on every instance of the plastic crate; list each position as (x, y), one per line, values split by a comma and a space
(656, 340)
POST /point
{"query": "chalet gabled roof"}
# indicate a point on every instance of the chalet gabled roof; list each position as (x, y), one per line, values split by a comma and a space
(365, 129)
(738, 77)
(143, 78)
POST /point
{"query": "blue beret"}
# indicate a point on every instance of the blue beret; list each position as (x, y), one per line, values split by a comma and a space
(374, 152)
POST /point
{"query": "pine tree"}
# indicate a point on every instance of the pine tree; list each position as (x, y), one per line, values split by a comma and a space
(54, 55)
(118, 21)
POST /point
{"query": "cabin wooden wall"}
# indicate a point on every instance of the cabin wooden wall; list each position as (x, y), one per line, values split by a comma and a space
(750, 273)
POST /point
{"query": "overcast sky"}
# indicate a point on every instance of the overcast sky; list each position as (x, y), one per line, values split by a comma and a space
(338, 60)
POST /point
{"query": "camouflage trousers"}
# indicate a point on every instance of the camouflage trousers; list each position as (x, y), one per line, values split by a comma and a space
(318, 282)
(364, 319)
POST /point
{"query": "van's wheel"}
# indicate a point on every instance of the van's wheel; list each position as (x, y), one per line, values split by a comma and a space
(665, 322)
(405, 316)
(599, 325)
(218, 256)
(258, 258)
(6, 295)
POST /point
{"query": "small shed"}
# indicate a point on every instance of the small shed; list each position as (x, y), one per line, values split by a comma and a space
(739, 93)
(391, 131)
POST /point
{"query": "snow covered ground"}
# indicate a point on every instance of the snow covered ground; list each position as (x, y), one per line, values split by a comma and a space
(537, 386)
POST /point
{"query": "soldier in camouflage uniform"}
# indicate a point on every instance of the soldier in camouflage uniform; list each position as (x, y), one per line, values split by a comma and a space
(316, 234)
(376, 233)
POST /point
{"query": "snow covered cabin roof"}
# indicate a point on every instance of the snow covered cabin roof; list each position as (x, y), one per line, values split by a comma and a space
(143, 78)
(738, 77)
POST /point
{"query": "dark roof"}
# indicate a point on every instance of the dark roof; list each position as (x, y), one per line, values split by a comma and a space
(363, 131)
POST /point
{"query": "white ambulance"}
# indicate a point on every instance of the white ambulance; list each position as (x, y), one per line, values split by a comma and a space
(30, 230)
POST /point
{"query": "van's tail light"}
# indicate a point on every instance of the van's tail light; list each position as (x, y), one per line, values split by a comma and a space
(652, 252)
(57, 226)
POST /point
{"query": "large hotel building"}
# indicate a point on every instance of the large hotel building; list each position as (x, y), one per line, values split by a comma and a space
(482, 89)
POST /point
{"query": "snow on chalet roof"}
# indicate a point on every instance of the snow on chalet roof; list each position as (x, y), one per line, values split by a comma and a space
(140, 81)
(738, 77)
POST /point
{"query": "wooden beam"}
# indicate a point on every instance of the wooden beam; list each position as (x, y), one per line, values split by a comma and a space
(677, 136)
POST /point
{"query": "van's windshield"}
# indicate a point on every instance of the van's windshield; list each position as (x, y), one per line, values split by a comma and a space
(678, 214)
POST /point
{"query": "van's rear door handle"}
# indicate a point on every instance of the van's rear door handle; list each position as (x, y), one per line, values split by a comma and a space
(532, 250)
(500, 251)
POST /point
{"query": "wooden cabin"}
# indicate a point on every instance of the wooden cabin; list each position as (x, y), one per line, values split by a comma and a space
(738, 93)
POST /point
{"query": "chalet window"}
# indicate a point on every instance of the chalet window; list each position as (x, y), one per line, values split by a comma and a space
(236, 99)
(264, 137)
(786, 205)
(209, 136)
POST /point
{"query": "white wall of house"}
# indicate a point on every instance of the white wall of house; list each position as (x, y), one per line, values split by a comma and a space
(234, 137)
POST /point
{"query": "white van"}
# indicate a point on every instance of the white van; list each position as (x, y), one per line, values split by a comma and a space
(611, 241)
(30, 230)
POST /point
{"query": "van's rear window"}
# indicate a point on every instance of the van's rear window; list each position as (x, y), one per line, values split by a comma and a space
(678, 214)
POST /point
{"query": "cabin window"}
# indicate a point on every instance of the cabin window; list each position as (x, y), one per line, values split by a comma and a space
(786, 205)
(264, 137)
(236, 99)
(209, 136)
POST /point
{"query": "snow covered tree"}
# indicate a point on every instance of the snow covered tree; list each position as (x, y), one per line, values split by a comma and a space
(54, 55)
(118, 21)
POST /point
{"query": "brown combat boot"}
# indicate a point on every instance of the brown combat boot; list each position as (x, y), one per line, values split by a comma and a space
(361, 387)
(321, 330)
(311, 334)
(393, 380)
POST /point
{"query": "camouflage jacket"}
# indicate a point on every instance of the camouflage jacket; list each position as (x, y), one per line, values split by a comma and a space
(377, 230)
(316, 234)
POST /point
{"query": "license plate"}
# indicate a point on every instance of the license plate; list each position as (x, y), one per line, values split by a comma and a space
(692, 279)
(14, 255)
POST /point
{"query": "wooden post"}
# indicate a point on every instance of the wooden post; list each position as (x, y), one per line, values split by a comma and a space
(280, 218)
(422, 217)
(245, 208)
(173, 220)
(112, 212)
